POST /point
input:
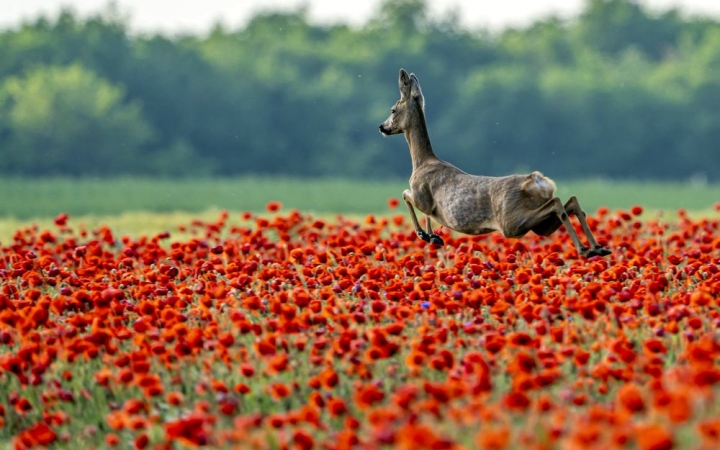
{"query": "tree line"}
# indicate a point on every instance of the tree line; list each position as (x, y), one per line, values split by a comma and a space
(618, 91)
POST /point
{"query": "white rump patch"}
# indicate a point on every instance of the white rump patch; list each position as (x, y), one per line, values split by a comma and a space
(539, 185)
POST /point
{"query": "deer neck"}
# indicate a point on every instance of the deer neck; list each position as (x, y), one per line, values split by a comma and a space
(418, 140)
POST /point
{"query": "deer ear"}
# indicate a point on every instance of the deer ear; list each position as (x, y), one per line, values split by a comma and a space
(415, 90)
(404, 84)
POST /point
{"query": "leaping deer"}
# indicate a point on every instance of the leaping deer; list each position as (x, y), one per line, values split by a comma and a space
(472, 204)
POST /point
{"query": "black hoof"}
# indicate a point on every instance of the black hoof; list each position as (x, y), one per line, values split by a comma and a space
(436, 240)
(596, 251)
(431, 238)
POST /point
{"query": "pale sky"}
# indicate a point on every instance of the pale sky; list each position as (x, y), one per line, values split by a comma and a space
(198, 16)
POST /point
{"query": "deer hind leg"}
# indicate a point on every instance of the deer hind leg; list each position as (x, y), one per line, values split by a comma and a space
(573, 207)
(428, 236)
(553, 222)
(545, 220)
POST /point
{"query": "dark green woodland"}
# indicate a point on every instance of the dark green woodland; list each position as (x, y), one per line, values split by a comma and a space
(618, 92)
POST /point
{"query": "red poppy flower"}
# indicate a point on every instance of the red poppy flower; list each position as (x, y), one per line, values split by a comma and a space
(654, 437)
(630, 397)
(367, 395)
(517, 401)
(336, 407)
(38, 435)
(190, 430)
(493, 438)
(273, 206)
(279, 390)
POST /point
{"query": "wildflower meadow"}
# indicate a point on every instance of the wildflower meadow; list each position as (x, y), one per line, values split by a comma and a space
(296, 332)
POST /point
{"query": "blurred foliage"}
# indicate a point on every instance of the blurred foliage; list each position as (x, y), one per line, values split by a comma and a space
(66, 120)
(618, 91)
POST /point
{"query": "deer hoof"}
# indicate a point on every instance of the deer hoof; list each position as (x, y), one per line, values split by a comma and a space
(423, 235)
(435, 239)
(596, 251)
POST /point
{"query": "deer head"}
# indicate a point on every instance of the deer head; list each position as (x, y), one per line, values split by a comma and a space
(406, 110)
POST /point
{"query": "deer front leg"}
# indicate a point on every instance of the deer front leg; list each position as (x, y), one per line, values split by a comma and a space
(422, 234)
(573, 207)
(434, 238)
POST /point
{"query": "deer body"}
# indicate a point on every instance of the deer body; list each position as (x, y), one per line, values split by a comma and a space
(475, 204)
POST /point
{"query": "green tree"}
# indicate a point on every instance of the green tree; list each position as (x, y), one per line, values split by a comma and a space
(613, 26)
(67, 120)
(496, 124)
(100, 43)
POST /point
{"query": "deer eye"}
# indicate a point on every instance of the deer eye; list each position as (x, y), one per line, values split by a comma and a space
(393, 111)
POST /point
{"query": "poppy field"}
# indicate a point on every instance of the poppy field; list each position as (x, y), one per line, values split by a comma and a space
(290, 331)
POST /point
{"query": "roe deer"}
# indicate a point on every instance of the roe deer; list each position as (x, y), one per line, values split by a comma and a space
(472, 204)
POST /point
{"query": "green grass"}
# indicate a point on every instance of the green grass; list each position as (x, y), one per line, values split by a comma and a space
(27, 198)
(24, 199)
(130, 223)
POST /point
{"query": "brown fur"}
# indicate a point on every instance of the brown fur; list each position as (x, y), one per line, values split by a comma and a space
(475, 204)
